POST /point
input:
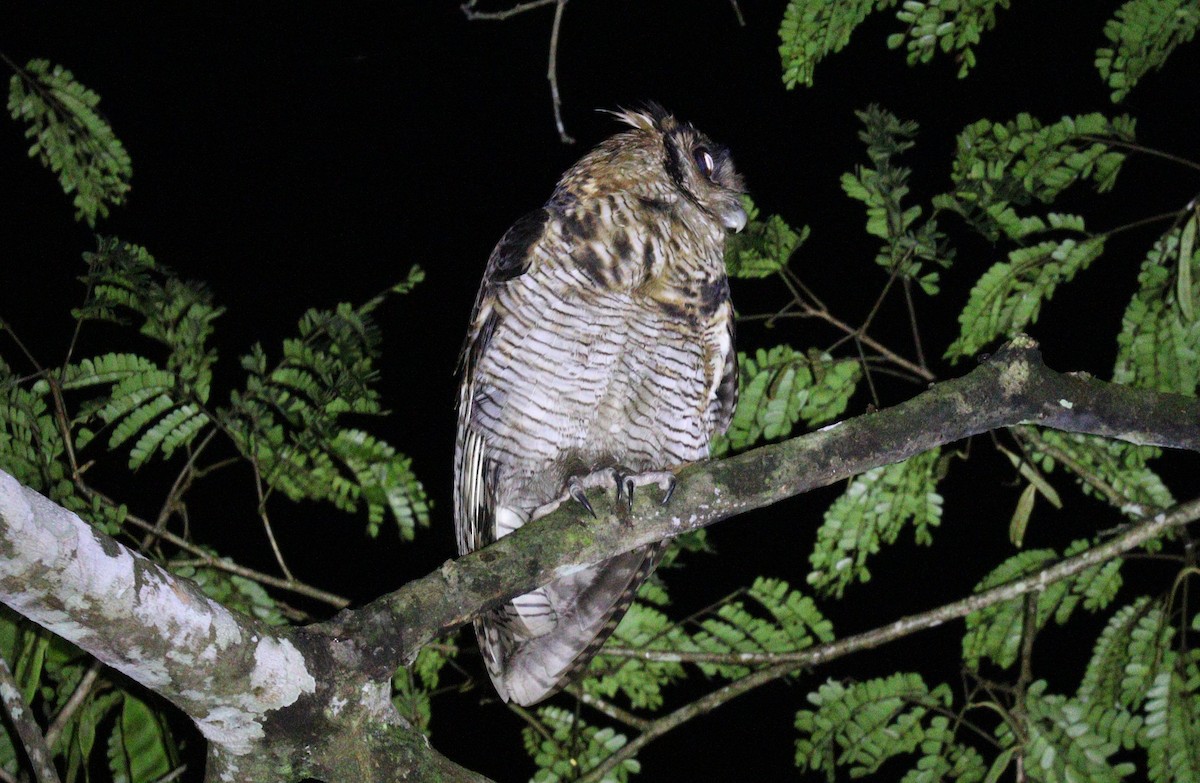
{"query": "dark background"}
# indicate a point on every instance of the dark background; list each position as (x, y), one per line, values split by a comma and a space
(297, 155)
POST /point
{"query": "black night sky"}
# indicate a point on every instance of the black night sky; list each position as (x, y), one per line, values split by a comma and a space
(295, 155)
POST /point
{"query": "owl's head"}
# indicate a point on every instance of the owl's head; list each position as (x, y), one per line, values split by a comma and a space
(673, 158)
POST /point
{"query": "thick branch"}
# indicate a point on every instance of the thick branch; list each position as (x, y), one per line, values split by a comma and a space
(224, 670)
(1012, 387)
(273, 705)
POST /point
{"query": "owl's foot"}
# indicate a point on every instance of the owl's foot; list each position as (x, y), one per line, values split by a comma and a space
(575, 489)
(577, 486)
(628, 482)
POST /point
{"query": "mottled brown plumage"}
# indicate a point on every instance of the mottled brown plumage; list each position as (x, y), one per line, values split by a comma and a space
(600, 352)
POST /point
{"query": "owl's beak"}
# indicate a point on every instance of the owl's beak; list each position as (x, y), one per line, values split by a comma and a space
(734, 218)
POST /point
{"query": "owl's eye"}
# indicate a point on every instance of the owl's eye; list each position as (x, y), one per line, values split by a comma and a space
(704, 161)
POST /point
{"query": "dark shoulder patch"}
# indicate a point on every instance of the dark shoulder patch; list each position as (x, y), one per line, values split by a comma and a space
(511, 257)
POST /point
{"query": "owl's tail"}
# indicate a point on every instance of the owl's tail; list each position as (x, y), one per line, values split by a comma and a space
(530, 659)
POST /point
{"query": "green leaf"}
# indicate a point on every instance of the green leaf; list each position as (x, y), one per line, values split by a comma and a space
(1009, 296)
(859, 726)
(1120, 467)
(872, 511)
(70, 136)
(140, 748)
(813, 29)
(1159, 344)
(571, 747)
(882, 189)
(1143, 34)
(1020, 516)
(1002, 166)
(1060, 744)
(995, 632)
(780, 387)
(763, 247)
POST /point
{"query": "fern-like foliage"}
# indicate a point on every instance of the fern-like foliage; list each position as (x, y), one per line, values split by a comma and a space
(1172, 720)
(159, 407)
(1009, 296)
(882, 187)
(70, 137)
(813, 29)
(781, 387)
(950, 27)
(640, 682)
(1126, 656)
(287, 420)
(999, 166)
(859, 726)
(995, 633)
(1143, 34)
(775, 620)
(779, 620)
(1114, 471)
(413, 686)
(1159, 343)
(763, 247)
(872, 511)
(565, 747)
(1060, 744)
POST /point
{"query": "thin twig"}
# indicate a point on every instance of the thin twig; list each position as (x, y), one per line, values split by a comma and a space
(300, 588)
(737, 11)
(609, 709)
(174, 774)
(519, 8)
(82, 691)
(1037, 581)
(30, 734)
(552, 73)
(912, 322)
(266, 520)
(182, 483)
(1144, 150)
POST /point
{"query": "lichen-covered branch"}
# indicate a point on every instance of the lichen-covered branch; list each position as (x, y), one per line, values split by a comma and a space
(223, 669)
(279, 704)
(274, 704)
(1012, 387)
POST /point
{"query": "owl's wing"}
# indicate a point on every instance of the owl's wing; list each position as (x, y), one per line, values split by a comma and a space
(725, 392)
(474, 507)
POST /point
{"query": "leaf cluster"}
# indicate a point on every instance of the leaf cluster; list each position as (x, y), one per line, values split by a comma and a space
(70, 137)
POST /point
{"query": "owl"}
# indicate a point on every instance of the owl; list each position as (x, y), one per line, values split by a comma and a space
(600, 354)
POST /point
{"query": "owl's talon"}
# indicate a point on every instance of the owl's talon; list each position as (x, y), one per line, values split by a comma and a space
(625, 488)
(668, 490)
(576, 490)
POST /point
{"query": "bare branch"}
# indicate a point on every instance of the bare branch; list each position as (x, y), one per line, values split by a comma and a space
(468, 9)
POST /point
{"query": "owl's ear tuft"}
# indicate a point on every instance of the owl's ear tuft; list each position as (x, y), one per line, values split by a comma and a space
(649, 116)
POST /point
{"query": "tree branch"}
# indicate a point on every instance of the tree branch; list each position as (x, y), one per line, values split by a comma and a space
(1131, 538)
(28, 731)
(1012, 387)
(299, 700)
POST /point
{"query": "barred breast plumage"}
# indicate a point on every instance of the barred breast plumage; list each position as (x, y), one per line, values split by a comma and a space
(600, 353)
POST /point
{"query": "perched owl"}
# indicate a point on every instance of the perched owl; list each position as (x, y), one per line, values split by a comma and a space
(600, 353)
